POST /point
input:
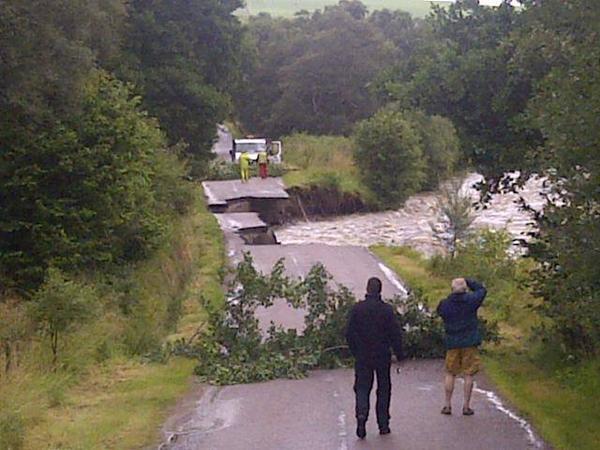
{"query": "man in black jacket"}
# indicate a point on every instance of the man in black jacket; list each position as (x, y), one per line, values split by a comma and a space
(372, 330)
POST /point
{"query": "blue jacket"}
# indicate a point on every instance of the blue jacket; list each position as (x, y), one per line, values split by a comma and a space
(459, 312)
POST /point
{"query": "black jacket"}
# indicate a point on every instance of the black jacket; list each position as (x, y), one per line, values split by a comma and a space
(372, 330)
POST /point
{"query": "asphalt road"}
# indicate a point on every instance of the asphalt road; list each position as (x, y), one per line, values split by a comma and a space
(224, 143)
(317, 413)
(219, 192)
(350, 266)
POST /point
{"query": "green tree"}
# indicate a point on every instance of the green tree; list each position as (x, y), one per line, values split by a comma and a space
(389, 152)
(47, 50)
(87, 193)
(566, 109)
(60, 306)
(463, 71)
(455, 217)
(185, 58)
(441, 146)
(300, 79)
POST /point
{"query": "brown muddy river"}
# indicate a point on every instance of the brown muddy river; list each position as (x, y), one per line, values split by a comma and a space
(412, 225)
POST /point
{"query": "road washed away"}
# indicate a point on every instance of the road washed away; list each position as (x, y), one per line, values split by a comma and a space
(317, 413)
(412, 225)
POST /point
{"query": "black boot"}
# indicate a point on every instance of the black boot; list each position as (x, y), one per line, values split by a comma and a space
(385, 429)
(361, 427)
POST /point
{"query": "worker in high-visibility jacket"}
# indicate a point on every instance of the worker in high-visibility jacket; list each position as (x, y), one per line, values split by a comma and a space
(245, 166)
(263, 164)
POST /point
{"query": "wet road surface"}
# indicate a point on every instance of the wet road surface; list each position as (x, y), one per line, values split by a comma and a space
(317, 413)
(233, 222)
(220, 192)
(350, 266)
(224, 143)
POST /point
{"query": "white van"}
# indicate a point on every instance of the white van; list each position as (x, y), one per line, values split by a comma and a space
(254, 147)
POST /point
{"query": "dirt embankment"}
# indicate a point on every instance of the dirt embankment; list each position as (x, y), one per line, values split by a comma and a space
(323, 201)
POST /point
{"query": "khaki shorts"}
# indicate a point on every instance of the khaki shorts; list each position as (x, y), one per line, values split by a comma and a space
(462, 361)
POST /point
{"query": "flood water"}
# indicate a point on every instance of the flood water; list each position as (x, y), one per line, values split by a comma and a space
(412, 225)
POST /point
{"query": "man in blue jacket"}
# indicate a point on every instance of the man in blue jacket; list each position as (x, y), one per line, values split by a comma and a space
(371, 332)
(459, 312)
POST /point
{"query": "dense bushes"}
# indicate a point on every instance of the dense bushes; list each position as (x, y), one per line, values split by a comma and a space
(93, 194)
(403, 152)
(389, 150)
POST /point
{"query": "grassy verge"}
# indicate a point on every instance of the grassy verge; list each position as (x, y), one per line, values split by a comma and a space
(560, 398)
(561, 401)
(103, 395)
(323, 161)
(118, 405)
(411, 266)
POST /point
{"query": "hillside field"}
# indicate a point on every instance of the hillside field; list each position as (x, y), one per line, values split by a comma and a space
(287, 8)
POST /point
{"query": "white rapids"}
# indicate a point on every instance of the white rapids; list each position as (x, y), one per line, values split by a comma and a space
(412, 224)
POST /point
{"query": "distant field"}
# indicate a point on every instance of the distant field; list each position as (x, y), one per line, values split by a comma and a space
(287, 8)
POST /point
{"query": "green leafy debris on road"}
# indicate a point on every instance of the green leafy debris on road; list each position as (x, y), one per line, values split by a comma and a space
(233, 350)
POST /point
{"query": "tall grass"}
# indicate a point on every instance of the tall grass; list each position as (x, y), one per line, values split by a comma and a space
(105, 393)
(323, 160)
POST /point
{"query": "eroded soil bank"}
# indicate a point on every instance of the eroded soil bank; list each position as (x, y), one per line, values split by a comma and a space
(314, 202)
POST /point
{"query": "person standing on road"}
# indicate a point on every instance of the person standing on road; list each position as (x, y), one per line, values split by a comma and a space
(245, 166)
(459, 312)
(372, 330)
(263, 164)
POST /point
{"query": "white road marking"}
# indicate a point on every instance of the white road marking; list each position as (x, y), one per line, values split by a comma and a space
(495, 400)
(391, 276)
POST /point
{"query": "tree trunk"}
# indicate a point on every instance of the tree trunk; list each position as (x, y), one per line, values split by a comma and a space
(54, 344)
(7, 356)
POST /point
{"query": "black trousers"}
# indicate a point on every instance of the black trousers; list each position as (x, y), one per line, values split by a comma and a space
(363, 383)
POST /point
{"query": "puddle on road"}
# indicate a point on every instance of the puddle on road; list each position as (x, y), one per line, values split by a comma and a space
(412, 225)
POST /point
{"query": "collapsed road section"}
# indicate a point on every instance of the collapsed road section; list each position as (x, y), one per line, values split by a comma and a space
(248, 209)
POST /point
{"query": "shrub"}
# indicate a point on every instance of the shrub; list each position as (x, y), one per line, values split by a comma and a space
(484, 256)
(454, 218)
(389, 151)
(59, 306)
(441, 146)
